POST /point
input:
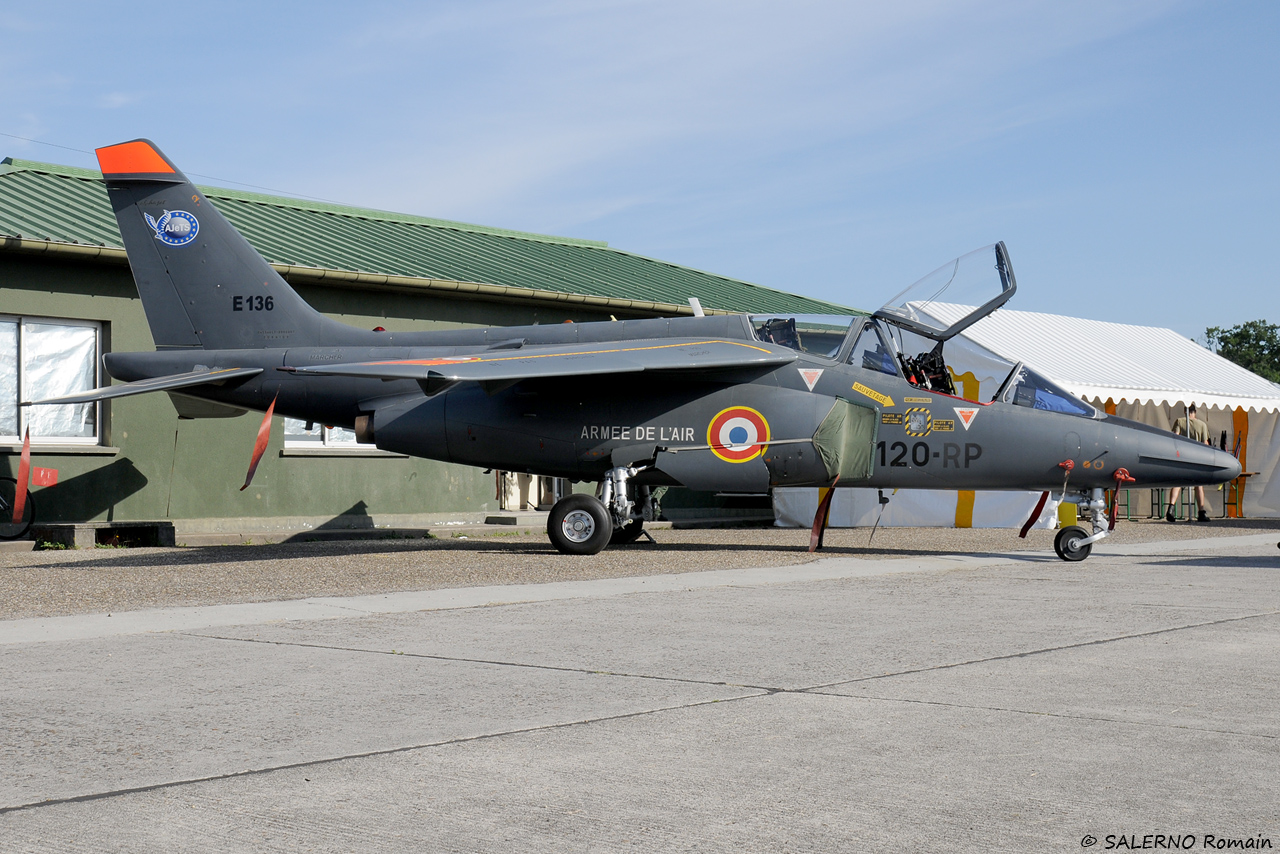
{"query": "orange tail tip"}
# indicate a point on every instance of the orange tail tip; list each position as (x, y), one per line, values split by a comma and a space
(138, 157)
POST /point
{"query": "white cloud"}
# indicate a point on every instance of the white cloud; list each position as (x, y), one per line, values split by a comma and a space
(486, 107)
(116, 100)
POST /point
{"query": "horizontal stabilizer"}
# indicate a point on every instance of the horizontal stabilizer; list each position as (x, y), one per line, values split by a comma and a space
(168, 383)
(572, 360)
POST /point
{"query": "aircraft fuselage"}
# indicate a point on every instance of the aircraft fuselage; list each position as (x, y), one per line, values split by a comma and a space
(572, 427)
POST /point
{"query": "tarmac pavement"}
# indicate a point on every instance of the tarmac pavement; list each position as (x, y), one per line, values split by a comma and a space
(985, 702)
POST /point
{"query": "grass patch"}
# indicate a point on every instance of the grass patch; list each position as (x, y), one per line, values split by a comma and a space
(47, 546)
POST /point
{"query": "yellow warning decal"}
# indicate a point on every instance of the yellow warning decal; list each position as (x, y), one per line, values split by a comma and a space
(919, 422)
(882, 399)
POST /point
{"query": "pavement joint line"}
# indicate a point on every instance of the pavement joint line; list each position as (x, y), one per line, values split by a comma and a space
(1175, 606)
(494, 662)
(368, 754)
(1031, 652)
(1152, 724)
(813, 689)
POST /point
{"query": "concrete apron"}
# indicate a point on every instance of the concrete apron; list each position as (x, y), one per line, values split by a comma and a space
(87, 626)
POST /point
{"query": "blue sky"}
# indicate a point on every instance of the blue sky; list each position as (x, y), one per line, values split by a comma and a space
(1126, 152)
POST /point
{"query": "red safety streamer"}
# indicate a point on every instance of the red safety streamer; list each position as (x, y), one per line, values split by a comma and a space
(260, 446)
(1035, 514)
(24, 473)
(1122, 477)
(821, 518)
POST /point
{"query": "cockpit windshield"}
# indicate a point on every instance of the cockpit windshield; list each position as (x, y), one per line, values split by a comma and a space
(817, 334)
(955, 296)
(1025, 387)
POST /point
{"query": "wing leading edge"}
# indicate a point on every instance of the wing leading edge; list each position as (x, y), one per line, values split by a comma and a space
(574, 360)
(165, 383)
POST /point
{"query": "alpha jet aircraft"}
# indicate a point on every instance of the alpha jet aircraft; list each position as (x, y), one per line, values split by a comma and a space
(728, 403)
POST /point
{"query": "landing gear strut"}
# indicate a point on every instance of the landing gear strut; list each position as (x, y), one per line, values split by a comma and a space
(584, 525)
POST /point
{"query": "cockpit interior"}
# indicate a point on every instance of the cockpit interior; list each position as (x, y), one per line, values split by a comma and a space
(930, 312)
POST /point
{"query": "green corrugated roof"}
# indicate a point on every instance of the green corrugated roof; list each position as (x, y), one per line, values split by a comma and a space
(41, 201)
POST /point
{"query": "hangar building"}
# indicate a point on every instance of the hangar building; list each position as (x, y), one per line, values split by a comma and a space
(67, 296)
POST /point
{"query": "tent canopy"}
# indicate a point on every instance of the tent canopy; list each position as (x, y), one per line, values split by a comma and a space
(1100, 360)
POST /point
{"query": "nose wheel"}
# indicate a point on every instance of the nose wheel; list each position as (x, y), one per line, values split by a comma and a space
(1069, 546)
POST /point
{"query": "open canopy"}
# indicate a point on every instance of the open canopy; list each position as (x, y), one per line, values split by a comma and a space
(982, 278)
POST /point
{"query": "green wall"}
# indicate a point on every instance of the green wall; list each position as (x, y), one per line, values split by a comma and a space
(170, 469)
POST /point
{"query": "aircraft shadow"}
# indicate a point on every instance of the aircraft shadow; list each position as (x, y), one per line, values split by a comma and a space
(1226, 562)
(88, 495)
(293, 550)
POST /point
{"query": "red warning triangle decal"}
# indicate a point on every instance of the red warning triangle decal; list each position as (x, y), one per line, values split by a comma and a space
(966, 415)
(810, 376)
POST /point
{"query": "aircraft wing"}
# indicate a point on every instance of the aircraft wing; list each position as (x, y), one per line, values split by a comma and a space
(612, 357)
(166, 383)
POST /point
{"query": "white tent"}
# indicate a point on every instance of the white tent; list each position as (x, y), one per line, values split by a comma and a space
(1144, 373)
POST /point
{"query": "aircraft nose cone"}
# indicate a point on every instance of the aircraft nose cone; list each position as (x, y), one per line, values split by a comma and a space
(1230, 465)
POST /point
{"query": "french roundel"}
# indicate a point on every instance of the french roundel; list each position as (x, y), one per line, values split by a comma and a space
(738, 434)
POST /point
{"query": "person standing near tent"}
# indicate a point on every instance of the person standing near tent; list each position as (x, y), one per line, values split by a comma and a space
(1198, 431)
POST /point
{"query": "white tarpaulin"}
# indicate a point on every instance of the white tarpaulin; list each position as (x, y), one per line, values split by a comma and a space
(1262, 494)
(795, 507)
(8, 378)
(1093, 358)
(40, 360)
(59, 360)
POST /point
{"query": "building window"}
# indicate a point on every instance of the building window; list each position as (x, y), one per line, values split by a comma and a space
(319, 437)
(42, 358)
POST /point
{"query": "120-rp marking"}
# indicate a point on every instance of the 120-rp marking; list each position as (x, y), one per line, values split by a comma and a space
(922, 453)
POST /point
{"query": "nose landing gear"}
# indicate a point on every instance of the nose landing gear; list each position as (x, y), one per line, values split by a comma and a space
(1075, 543)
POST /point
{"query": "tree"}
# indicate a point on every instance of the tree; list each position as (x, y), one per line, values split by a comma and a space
(1254, 345)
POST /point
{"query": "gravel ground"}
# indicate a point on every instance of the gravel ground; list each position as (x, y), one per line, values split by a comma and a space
(49, 583)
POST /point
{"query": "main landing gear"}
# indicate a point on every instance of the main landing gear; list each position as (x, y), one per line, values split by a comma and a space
(583, 524)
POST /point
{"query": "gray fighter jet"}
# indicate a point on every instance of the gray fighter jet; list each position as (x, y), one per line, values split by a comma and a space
(729, 403)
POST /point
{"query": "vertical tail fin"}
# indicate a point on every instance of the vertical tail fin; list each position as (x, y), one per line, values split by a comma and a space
(201, 283)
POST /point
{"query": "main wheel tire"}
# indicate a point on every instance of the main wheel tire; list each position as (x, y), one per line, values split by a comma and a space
(10, 530)
(579, 525)
(628, 533)
(1066, 543)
